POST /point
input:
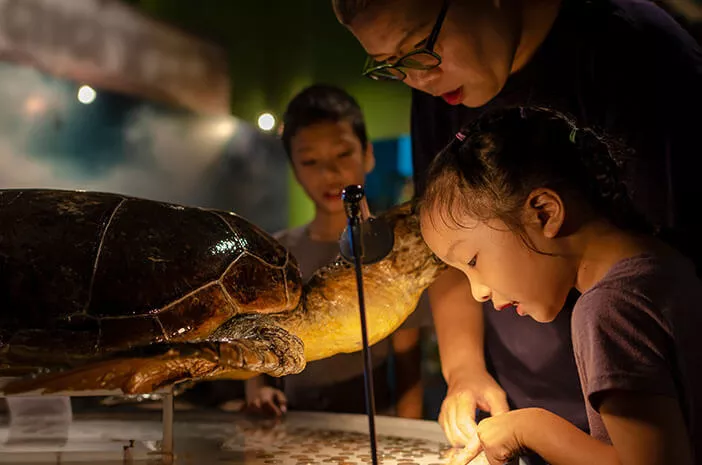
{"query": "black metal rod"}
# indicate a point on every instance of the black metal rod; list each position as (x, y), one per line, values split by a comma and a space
(355, 240)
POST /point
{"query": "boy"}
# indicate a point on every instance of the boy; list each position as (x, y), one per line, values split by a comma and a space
(325, 138)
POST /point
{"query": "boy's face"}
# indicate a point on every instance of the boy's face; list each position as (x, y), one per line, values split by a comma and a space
(327, 157)
(477, 42)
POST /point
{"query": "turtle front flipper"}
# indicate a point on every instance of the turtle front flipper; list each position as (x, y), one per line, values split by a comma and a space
(252, 347)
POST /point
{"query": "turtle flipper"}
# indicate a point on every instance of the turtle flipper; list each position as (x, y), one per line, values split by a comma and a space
(141, 370)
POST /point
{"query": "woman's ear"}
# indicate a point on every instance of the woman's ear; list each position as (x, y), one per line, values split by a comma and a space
(545, 210)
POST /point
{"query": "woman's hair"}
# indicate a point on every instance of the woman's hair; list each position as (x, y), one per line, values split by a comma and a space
(494, 163)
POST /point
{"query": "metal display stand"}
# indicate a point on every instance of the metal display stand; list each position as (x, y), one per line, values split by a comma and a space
(39, 431)
(167, 441)
(353, 250)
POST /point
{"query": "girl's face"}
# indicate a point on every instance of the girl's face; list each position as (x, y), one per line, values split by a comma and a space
(500, 266)
(477, 42)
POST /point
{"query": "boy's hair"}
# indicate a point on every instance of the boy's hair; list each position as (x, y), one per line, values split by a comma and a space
(493, 164)
(322, 103)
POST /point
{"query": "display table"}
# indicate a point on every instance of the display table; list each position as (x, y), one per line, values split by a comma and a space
(211, 437)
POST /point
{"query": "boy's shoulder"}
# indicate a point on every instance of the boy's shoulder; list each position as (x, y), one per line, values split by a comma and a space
(289, 237)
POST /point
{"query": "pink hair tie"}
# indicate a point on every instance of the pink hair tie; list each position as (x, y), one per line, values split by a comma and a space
(460, 136)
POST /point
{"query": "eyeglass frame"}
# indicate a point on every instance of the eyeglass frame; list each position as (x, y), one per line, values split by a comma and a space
(427, 48)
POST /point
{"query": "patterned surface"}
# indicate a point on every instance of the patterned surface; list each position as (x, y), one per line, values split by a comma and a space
(209, 438)
(306, 446)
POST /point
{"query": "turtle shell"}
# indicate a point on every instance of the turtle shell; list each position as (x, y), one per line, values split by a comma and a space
(85, 272)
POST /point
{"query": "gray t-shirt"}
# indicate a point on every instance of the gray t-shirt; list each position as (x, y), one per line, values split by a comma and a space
(638, 329)
(312, 255)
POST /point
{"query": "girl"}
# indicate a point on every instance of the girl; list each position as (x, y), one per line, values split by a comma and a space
(528, 206)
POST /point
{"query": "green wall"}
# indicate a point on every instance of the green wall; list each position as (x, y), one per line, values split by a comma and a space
(278, 47)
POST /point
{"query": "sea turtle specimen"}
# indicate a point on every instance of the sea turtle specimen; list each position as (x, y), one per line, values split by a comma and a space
(101, 292)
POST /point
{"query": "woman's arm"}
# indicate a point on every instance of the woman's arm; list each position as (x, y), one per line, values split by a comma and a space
(458, 319)
(408, 372)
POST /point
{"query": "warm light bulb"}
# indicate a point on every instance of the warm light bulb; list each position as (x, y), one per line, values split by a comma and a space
(266, 121)
(86, 95)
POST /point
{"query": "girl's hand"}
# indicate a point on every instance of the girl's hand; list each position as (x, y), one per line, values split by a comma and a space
(465, 394)
(501, 436)
(467, 456)
(498, 440)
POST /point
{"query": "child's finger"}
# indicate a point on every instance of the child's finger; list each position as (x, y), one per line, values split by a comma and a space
(464, 456)
(497, 402)
(281, 400)
(273, 408)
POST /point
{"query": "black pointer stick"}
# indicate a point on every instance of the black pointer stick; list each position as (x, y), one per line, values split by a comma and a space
(352, 202)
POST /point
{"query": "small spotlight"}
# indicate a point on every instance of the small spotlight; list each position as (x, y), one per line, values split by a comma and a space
(266, 121)
(86, 95)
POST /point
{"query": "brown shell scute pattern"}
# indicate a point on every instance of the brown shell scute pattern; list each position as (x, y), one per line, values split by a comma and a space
(257, 288)
(146, 330)
(173, 267)
(264, 279)
(167, 260)
(135, 271)
(142, 299)
(39, 281)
